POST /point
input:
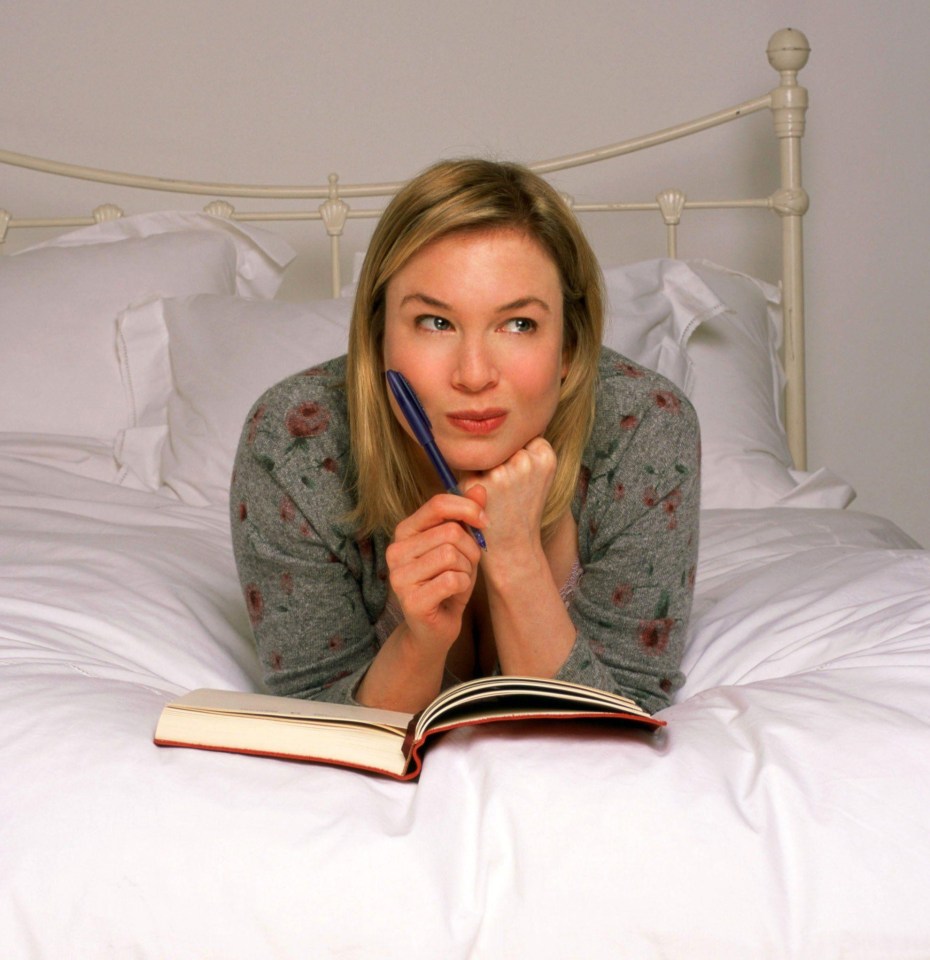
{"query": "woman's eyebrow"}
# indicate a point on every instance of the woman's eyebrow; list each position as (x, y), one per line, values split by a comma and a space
(517, 304)
(427, 299)
(521, 302)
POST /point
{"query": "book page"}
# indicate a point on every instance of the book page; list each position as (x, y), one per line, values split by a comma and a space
(521, 696)
(265, 705)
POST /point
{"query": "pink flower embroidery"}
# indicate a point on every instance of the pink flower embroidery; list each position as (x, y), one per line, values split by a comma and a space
(650, 497)
(628, 370)
(629, 422)
(671, 503)
(286, 510)
(287, 583)
(666, 400)
(623, 594)
(654, 635)
(307, 420)
(255, 603)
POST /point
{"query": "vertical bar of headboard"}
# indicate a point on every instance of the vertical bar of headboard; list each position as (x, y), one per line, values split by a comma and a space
(788, 51)
(334, 212)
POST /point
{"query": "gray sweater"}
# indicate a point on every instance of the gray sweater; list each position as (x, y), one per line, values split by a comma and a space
(315, 592)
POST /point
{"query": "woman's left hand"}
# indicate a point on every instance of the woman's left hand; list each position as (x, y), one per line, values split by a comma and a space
(532, 630)
(515, 498)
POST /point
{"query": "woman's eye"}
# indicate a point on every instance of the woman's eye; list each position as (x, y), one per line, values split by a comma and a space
(433, 323)
(520, 325)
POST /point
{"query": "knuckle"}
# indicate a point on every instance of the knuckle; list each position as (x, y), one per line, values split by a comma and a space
(448, 554)
(452, 581)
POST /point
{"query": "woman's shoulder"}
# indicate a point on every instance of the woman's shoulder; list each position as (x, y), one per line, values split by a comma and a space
(299, 426)
(327, 378)
(305, 405)
(641, 418)
(625, 385)
(645, 441)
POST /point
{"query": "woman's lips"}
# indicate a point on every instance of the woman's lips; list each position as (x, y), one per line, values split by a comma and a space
(477, 421)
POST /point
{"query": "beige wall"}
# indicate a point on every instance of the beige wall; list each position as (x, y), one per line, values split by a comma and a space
(290, 89)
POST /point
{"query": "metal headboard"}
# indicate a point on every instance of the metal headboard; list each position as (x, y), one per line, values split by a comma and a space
(787, 51)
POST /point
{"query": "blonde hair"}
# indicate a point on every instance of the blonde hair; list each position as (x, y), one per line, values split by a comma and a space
(450, 197)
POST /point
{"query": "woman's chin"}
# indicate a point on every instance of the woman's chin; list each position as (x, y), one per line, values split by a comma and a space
(472, 465)
(481, 456)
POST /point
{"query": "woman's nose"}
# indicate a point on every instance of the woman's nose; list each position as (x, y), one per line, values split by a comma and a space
(475, 368)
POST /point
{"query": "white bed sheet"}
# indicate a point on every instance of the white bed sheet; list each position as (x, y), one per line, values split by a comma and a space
(782, 813)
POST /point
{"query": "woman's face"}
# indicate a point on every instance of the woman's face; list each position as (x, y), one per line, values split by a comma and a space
(474, 322)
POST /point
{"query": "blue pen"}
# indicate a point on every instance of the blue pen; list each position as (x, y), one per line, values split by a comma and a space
(412, 409)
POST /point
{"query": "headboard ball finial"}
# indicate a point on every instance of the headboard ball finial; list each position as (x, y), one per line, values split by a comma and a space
(788, 50)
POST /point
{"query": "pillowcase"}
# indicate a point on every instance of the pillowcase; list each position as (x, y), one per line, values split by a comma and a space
(653, 307)
(59, 302)
(736, 388)
(261, 256)
(194, 366)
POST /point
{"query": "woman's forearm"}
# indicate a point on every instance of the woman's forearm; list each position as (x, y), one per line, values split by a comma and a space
(532, 629)
(403, 675)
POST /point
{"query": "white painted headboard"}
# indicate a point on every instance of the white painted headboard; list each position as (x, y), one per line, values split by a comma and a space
(787, 51)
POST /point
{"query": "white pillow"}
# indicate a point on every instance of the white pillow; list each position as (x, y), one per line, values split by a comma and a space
(261, 256)
(653, 307)
(59, 302)
(736, 388)
(194, 366)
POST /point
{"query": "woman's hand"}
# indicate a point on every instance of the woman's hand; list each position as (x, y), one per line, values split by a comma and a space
(433, 565)
(514, 498)
(533, 632)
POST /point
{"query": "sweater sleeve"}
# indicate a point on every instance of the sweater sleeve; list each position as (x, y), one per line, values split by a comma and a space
(308, 584)
(637, 513)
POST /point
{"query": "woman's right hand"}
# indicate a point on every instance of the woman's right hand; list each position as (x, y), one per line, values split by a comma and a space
(433, 566)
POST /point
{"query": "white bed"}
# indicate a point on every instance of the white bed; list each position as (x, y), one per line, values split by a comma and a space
(782, 813)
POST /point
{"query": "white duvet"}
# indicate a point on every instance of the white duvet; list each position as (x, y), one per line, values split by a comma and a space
(784, 812)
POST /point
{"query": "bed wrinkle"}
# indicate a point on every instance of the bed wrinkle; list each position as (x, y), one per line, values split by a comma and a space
(463, 798)
(792, 615)
(70, 515)
(762, 773)
(25, 670)
(28, 487)
(737, 540)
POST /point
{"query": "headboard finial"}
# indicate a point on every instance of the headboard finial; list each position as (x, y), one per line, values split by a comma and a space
(788, 50)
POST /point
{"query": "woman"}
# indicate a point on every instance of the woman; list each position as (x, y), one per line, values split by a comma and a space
(580, 468)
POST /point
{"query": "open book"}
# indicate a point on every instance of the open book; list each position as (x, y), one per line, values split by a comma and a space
(383, 741)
